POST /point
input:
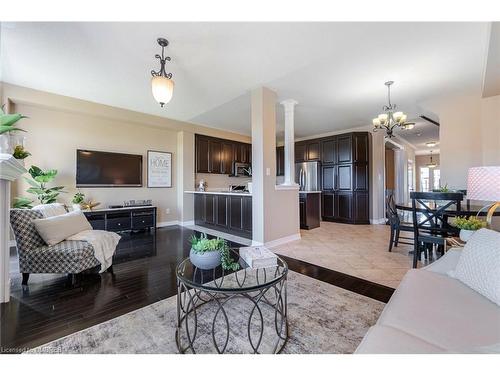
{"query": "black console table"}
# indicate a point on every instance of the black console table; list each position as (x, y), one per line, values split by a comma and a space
(123, 219)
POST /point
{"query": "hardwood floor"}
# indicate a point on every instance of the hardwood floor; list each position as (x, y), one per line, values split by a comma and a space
(144, 272)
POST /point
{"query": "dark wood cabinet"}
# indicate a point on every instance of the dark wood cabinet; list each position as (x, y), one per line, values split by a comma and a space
(345, 178)
(210, 209)
(313, 150)
(215, 155)
(344, 149)
(202, 154)
(226, 213)
(328, 206)
(300, 151)
(328, 177)
(309, 210)
(344, 207)
(123, 219)
(328, 151)
(280, 161)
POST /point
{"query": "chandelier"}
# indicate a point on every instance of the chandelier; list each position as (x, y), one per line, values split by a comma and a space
(161, 83)
(391, 118)
(431, 163)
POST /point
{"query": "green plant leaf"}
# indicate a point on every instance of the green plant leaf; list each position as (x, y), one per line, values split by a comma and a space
(31, 182)
(34, 171)
(9, 120)
(8, 129)
(35, 190)
(22, 202)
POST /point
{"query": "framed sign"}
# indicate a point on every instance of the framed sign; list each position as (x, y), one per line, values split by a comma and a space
(159, 169)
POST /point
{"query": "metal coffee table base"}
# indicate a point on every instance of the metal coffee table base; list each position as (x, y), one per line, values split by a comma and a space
(191, 299)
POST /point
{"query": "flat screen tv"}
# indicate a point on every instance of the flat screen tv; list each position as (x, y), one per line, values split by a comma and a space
(107, 169)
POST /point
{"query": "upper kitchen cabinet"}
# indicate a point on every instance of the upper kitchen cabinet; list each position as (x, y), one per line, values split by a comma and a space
(329, 151)
(215, 155)
(202, 152)
(344, 148)
(307, 151)
(300, 152)
(361, 147)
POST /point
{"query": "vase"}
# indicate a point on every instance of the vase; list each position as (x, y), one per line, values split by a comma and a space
(9, 141)
(466, 234)
(77, 207)
(205, 261)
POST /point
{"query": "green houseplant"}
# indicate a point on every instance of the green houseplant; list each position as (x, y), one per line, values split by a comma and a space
(8, 141)
(77, 200)
(468, 226)
(209, 253)
(43, 193)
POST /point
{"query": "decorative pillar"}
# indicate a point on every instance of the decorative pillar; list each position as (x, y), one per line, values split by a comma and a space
(289, 107)
(10, 170)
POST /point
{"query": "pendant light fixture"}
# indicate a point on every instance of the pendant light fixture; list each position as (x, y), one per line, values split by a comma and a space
(162, 85)
(391, 118)
(431, 163)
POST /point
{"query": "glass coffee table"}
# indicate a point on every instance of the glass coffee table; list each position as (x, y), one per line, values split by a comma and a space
(242, 311)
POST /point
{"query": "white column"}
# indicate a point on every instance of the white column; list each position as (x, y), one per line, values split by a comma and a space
(10, 169)
(289, 107)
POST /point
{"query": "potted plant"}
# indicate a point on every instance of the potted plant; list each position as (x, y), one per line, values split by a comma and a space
(468, 226)
(77, 200)
(20, 153)
(39, 187)
(209, 253)
(8, 130)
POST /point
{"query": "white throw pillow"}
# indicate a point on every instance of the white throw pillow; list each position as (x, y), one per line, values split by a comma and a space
(57, 228)
(479, 264)
(51, 209)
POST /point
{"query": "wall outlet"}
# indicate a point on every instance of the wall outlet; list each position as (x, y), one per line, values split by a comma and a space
(268, 171)
(167, 211)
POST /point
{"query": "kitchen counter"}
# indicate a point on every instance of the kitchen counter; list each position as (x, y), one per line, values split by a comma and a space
(220, 192)
(309, 191)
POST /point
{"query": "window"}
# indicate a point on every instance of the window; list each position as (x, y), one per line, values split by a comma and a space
(409, 175)
(436, 178)
(424, 179)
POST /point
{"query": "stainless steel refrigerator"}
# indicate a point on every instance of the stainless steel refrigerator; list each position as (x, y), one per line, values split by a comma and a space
(307, 175)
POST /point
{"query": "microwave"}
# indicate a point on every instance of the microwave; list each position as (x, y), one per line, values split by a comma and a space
(242, 170)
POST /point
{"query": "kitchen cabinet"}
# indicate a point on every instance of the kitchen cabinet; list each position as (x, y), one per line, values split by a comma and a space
(313, 150)
(224, 212)
(328, 151)
(280, 161)
(344, 149)
(309, 210)
(216, 155)
(328, 177)
(202, 152)
(300, 152)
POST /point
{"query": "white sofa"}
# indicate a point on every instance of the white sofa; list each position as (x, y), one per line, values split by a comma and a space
(431, 312)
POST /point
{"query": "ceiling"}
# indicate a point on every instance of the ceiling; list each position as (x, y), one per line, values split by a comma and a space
(336, 71)
(422, 133)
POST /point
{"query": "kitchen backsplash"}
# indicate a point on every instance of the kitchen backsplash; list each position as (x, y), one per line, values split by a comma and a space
(220, 181)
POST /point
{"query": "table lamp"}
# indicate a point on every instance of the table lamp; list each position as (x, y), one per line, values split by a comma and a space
(483, 184)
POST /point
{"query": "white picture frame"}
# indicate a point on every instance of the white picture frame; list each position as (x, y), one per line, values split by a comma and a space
(159, 169)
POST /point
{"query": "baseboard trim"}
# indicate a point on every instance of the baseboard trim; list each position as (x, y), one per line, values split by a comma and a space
(377, 221)
(186, 223)
(283, 240)
(167, 223)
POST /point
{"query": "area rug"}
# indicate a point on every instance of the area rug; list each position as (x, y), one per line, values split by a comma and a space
(322, 319)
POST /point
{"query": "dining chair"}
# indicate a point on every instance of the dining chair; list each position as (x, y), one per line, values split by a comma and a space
(397, 225)
(431, 211)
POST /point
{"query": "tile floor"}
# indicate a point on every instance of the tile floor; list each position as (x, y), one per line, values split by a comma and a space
(358, 250)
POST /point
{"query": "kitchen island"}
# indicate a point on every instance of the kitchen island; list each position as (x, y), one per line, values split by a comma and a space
(229, 212)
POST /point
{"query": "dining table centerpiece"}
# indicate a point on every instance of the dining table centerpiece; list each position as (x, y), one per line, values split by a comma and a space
(468, 226)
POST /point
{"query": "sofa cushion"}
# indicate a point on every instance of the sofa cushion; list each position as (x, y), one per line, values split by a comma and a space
(479, 265)
(61, 258)
(51, 209)
(57, 228)
(388, 340)
(442, 311)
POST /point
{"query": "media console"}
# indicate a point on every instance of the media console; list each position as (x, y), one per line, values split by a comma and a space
(122, 219)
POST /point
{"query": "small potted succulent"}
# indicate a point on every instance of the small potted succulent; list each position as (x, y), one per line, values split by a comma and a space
(209, 253)
(77, 201)
(468, 226)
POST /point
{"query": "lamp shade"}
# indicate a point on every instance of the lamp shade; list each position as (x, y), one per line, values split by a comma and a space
(163, 89)
(483, 184)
